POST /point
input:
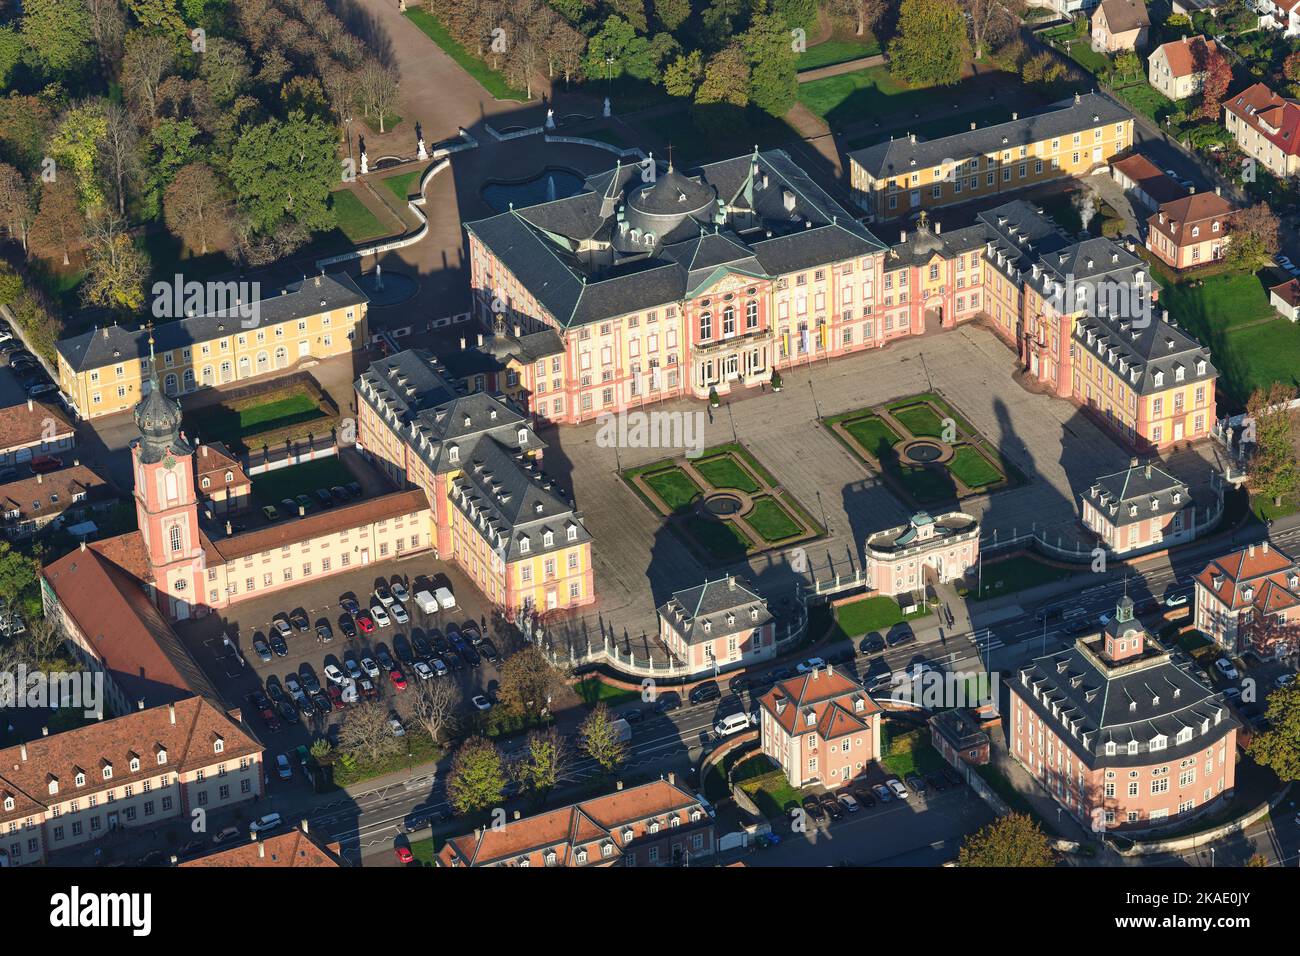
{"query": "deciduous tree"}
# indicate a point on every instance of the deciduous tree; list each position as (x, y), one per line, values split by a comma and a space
(365, 734)
(59, 226)
(116, 267)
(59, 34)
(148, 60)
(226, 68)
(197, 211)
(992, 22)
(1013, 840)
(773, 84)
(600, 739)
(117, 153)
(15, 203)
(545, 759)
(527, 682)
(931, 48)
(1279, 747)
(284, 169)
(1254, 231)
(477, 777)
(1218, 77)
(433, 705)
(1272, 471)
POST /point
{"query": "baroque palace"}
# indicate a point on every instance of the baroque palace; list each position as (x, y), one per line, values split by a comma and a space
(644, 288)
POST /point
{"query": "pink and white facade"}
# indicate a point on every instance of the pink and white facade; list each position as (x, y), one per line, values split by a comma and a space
(946, 547)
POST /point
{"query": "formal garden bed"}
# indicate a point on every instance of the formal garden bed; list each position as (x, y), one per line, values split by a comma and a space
(267, 415)
(886, 437)
(725, 505)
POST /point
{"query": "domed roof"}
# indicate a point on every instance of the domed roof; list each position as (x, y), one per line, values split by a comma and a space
(672, 194)
(159, 420)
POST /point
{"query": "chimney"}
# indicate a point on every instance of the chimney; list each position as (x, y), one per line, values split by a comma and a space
(139, 704)
(45, 731)
(252, 835)
(175, 859)
(731, 582)
(22, 752)
(972, 126)
(912, 137)
(171, 711)
(480, 340)
(40, 479)
(1251, 551)
(302, 512)
(517, 815)
(76, 463)
(261, 850)
(303, 825)
(618, 785)
(1133, 462)
(938, 228)
(30, 404)
(229, 528)
(902, 236)
(672, 777)
(516, 331)
(83, 544)
(1218, 190)
(1265, 546)
(462, 343)
(478, 834)
(1015, 116)
(1148, 470)
(205, 451)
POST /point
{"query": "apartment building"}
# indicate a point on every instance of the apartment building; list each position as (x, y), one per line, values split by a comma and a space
(820, 728)
(1072, 138)
(659, 823)
(1177, 68)
(1191, 231)
(939, 548)
(1250, 600)
(1267, 128)
(32, 429)
(476, 461)
(1140, 508)
(1119, 735)
(717, 626)
(107, 370)
(145, 767)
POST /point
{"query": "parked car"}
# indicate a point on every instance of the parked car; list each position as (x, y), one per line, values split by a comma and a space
(439, 666)
(423, 670)
(421, 646)
(299, 619)
(864, 796)
(324, 632)
(282, 768)
(352, 667)
(471, 656)
(269, 513)
(398, 679)
(937, 780)
(385, 659)
(323, 498)
(380, 615)
(41, 388)
(268, 822)
(354, 489)
(323, 702)
(43, 464)
(873, 643)
(287, 711)
(1177, 599)
(399, 592)
(667, 702)
(915, 781)
(404, 855)
(339, 493)
(810, 664)
(1226, 668)
(384, 595)
(896, 786)
(369, 666)
(849, 802)
(366, 623)
(489, 650)
(883, 793)
(334, 674)
(304, 503)
(900, 635)
(399, 614)
(832, 807)
(347, 627)
(310, 682)
(706, 691)
(261, 648)
(481, 702)
(813, 808)
(1283, 680)
(350, 605)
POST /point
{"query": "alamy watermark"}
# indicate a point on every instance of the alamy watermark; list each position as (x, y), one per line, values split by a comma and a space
(656, 429)
(39, 689)
(176, 298)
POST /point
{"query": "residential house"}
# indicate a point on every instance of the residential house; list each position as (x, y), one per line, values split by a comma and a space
(718, 625)
(1191, 231)
(1250, 600)
(959, 738)
(1283, 15)
(55, 498)
(1120, 735)
(224, 487)
(655, 824)
(1285, 297)
(1139, 509)
(35, 428)
(1177, 68)
(1120, 25)
(144, 767)
(820, 728)
(1267, 128)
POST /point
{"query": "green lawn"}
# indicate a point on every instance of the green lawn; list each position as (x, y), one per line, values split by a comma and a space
(909, 752)
(488, 78)
(272, 486)
(426, 850)
(745, 455)
(722, 540)
(873, 434)
(1223, 303)
(1147, 100)
(404, 184)
(766, 784)
(836, 51)
(865, 93)
(230, 425)
(675, 487)
(771, 521)
(972, 468)
(725, 472)
(593, 691)
(921, 421)
(1018, 573)
(354, 220)
(872, 614)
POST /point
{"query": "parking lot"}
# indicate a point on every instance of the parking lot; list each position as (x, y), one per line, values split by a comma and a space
(224, 643)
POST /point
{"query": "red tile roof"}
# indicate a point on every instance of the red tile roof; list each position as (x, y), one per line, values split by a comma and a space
(1186, 56)
(214, 462)
(29, 423)
(186, 730)
(1149, 178)
(828, 697)
(1263, 569)
(49, 495)
(294, 849)
(1288, 291)
(1176, 219)
(1274, 118)
(595, 826)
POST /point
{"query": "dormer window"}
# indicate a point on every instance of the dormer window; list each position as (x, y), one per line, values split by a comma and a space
(607, 850)
(9, 803)
(550, 858)
(1178, 374)
(548, 538)
(523, 436)
(654, 826)
(108, 771)
(453, 453)
(753, 614)
(162, 756)
(582, 856)
(1159, 379)
(523, 545)
(54, 785)
(218, 746)
(1158, 742)
(135, 764)
(573, 532)
(80, 779)
(1215, 227)
(1110, 748)
(230, 476)
(1132, 748)
(628, 835)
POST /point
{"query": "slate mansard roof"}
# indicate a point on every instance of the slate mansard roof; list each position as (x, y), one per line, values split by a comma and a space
(298, 300)
(715, 609)
(498, 487)
(1148, 488)
(899, 156)
(1091, 702)
(625, 244)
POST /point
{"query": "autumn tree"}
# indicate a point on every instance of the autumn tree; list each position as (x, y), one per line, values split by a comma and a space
(148, 60)
(366, 735)
(723, 93)
(433, 705)
(1254, 236)
(528, 681)
(545, 759)
(1209, 58)
(672, 13)
(684, 73)
(476, 779)
(107, 22)
(15, 203)
(75, 146)
(1272, 471)
(116, 267)
(992, 22)
(226, 69)
(600, 739)
(58, 32)
(865, 14)
(197, 211)
(59, 226)
(117, 154)
(1012, 840)
(931, 48)
(1279, 747)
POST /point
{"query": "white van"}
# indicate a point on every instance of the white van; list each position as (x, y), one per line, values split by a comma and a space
(445, 598)
(268, 822)
(731, 724)
(426, 602)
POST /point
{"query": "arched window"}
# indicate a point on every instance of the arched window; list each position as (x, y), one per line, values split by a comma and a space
(706, 325)
(175, 537)
(169, 384)
(728, 321)
(207, 375)
(751, 315)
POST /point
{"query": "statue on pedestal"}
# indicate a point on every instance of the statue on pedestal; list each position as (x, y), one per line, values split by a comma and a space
(365, 163)
(606, 112)
(420, 151)
(550, 119)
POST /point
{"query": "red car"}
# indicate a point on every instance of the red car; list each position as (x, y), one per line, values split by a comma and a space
(398, 678)
(366, 623)
(404, 855)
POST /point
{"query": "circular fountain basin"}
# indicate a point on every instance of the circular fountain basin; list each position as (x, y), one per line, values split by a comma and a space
(925, 451)
(722, 504)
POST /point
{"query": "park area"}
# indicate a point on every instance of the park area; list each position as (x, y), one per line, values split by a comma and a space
(926, 451)
(1251, 345)
(725, 505)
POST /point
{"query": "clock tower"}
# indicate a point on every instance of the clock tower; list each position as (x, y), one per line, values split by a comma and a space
(166, 504)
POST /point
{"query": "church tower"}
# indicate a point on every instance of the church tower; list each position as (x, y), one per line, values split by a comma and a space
(166, 504)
